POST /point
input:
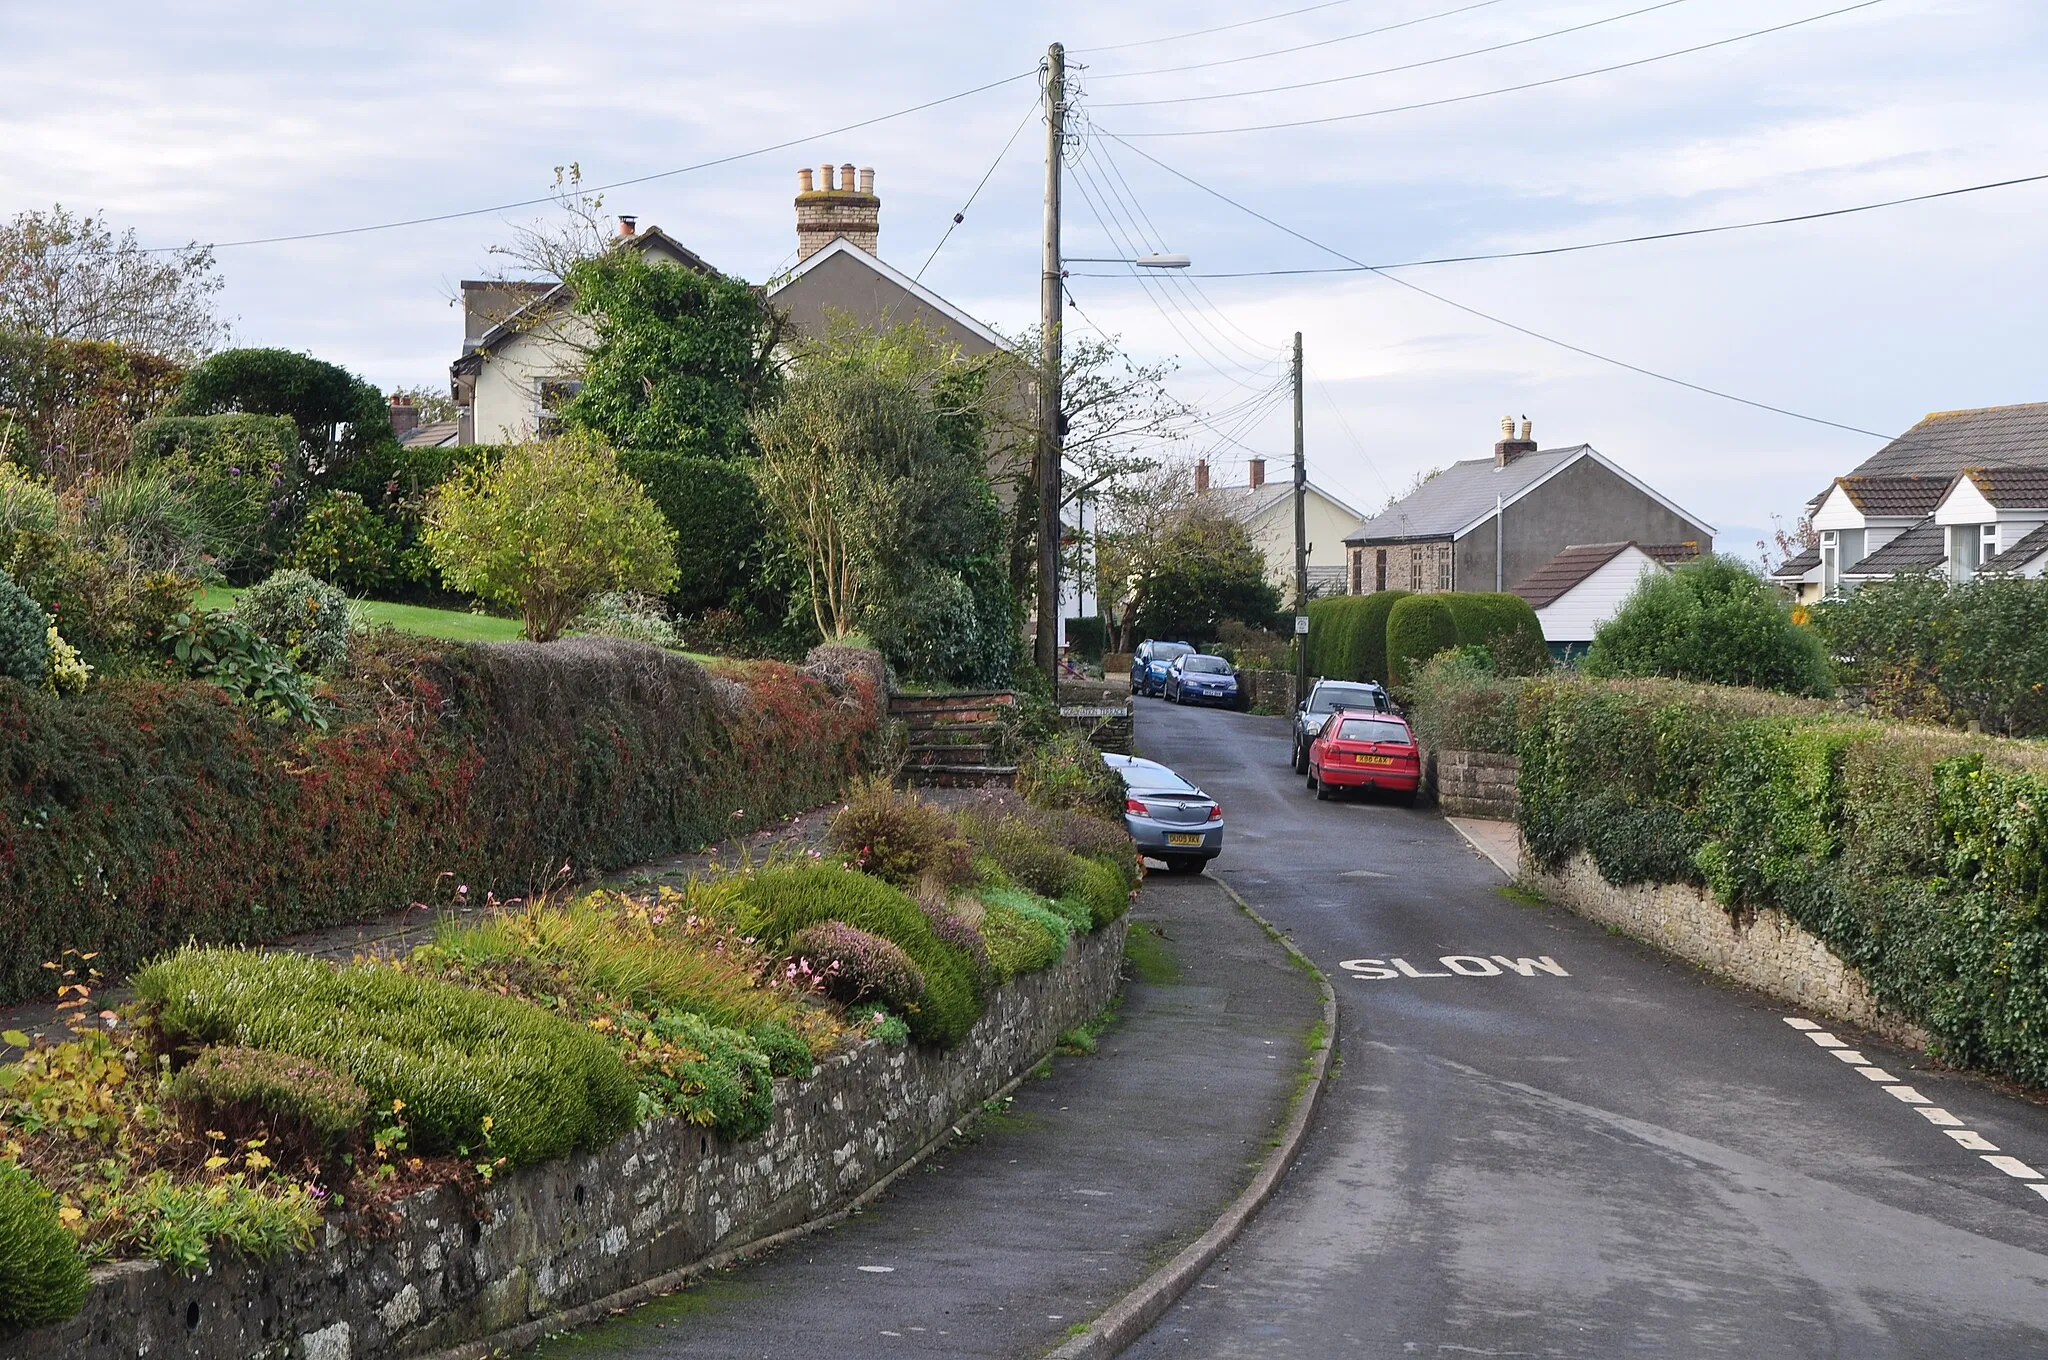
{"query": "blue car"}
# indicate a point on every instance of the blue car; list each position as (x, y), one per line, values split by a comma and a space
(1199, 679)
(1150, 662)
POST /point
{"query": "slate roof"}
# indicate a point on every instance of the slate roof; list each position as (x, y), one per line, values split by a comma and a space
(2012, 488)
(2020, 553)
(1920, 547)
(1670, 554)
(2013, 436)
(1796, 567)
(1458, 495)
(1896, 496)
(1557, 578)
(523, 320)
(1243, 503)
(438, 434)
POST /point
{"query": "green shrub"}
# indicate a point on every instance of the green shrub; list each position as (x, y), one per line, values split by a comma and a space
(1024, 853)
(181, 1222)
(1089, 637)
(726, 1082)
(1031, 907)
(1106, 891)
(343, 540)
(777, 903)
(1712, 620)
(716, 513)
(636, 618)
(300, 615)
(26, 505)
(860, 966)
(1066, 772)
(1504, 626)
(42, 1276)
(24, 635)
(1018, 940)
(788, 1055)
(340, 418)
(1922, 647)
(148, 522)
(224, 650)
(1459, 702)
(454, 1057)
(1348, 635)
(234, 467)
(900, 838)
(1418, 627)
(308, 1110)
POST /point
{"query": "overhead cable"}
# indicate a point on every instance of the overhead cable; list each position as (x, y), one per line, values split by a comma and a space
(1220, 28)
(961, 216)
(1298, 47)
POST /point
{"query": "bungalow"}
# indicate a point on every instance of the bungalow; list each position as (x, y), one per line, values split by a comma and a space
(1585, 585)
(1266, 510)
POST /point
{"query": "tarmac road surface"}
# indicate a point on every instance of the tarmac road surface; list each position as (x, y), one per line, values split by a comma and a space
(1546, 1140)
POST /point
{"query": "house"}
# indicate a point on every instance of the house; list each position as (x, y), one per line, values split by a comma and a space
(1585, 585)
(1266, 510)
(1961, 493)
(1488, 523)
(412, 434)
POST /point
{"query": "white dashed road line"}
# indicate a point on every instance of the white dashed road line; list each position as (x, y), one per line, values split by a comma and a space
(1922, 1106)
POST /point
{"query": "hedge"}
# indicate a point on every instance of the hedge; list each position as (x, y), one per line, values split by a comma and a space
(238, 468)
(1917, 855)
(716, 513)
(1484, 618)
(1418, 627)
(1348, 635)
(146, 813)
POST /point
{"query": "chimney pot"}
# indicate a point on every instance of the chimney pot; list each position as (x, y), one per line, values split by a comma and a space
(405, 417)
(1258, 466)
(825, 177)
(1201, 475)
(803, 181)
(846, 178)
(1528, 429)
(627, 224)
(821, 221)
(867, 180)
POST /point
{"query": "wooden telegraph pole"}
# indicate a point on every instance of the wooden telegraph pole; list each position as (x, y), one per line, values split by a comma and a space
(1047, 650)
(1300, 540)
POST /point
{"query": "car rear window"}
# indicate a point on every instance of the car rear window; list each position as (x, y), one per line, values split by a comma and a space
(1329, 697)
(1157, 781)
(1212, 665)
(1167, 651)
(1373, 729)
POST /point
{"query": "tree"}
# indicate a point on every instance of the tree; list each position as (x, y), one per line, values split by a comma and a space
(1136, 516)
(341, 418)
(546, 529)
(1712, 620)
(70, 277)
(549, 248)
(1204, 570)
(678, 359)
(68, 407)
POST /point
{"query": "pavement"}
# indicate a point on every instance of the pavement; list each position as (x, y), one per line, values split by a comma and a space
(1499, 841)
(1053, 1206)
(1547, 1140)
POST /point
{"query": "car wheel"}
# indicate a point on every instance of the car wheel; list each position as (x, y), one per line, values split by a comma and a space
(1322, 789)
(1300, 759)
(1311, 779)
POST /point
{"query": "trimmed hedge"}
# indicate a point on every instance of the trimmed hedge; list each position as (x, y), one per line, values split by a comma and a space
(1485, 618)
(1918, 856)
(42, 1276)
(1418, 627)
(145, 813)
(462, 1068)
(1348, 635)
(716, 513)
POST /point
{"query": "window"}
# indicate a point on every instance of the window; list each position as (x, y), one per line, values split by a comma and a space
(1205, 665)
(1374, 729)
(1965, 543)
(1830, 563)
(1325, 698)
(1989, 548)
(551, 395)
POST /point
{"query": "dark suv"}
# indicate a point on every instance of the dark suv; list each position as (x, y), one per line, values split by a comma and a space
(1324, 698)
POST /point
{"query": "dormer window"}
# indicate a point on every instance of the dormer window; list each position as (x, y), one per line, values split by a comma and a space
(1989, 549)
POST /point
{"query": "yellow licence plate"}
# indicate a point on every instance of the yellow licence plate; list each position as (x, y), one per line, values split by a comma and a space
(1375, 760)
(1182, 838)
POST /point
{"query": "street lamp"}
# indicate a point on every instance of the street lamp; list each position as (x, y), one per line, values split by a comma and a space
(1156, 260)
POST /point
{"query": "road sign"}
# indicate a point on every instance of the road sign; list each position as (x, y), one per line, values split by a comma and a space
(1301, 625)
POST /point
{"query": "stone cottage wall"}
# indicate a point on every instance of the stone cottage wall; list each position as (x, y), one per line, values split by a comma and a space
(450, 1276)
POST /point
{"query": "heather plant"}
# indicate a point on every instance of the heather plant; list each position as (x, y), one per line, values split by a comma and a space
(302, 616)
(954, 930)
(305, 1111)
(1066, 772)
(860, 966)
(1024, 853)
(1018, 940)
(1030, 906)
(1105, 889)
(42, 1276)
(899, 838)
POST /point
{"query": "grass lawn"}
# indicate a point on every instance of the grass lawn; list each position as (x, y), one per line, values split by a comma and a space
(454, 624)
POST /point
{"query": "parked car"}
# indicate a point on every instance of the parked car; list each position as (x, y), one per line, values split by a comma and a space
(1324, 698)
(1149, 664)
(1170, 819)
(1359, 750)
(1201, 679)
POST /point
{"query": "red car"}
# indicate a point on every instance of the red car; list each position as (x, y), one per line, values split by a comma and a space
(1355, 750)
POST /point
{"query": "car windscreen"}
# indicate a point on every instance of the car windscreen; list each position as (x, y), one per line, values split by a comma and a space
(1328, 697)
(1372, 729)
(1207, 665)
(1158, 781)
(1167, 651)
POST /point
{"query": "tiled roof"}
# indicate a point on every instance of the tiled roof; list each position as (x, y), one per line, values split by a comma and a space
(1557, 578)
(1920, 547)
(1947, 441)
(1242, 503)
(1670, 554)
(2020, 553)
(436, 435)
(2012, 488)
(1895, 496)
(1795, 567)
(1458, 495)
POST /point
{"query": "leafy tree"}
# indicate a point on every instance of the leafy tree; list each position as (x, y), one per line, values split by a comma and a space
(1712, 620)
(68, 407)
(546, 529)
(1923, 648)
(1205, 569)
(341, 418)
(678, 360)
(69, 277)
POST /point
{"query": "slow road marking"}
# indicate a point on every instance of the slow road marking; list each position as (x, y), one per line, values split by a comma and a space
(1455, 965)
(1949, 1124)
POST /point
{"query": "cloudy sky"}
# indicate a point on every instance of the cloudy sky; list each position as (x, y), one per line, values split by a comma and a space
(228, 122)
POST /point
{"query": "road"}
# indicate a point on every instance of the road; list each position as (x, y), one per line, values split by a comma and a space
(1615, 1156)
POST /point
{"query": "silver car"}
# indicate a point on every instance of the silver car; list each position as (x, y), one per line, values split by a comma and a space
(1170, 819)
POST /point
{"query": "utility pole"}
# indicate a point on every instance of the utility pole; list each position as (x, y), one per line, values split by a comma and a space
(1047, 650)
(1300, 539)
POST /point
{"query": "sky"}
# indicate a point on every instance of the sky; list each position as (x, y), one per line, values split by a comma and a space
(229, 122)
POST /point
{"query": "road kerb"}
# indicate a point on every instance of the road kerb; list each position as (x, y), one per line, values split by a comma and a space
(1133, 1315)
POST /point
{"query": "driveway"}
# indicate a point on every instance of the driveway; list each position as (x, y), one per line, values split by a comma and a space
(1546, 1140)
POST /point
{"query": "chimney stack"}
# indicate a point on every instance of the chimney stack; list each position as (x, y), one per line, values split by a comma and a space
(834, 207)
(1201, 475)
(627, 224)
(405, 417)
(1258, 473)
(1510, 448)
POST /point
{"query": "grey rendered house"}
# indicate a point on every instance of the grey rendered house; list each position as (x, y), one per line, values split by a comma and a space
(1489, 523)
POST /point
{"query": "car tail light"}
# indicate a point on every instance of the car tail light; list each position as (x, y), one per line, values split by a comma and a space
(1134, 806)
(1215, 812)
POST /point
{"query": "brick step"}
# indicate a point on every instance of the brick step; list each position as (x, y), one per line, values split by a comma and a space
(960, 776)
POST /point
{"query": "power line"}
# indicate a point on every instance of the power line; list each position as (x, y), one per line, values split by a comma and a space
(1496, 320)
(1616, 241)
(1505, 89)
(961, 216)
(1390, 70)
(615, 184)
(1220, 28)
(1299, 47)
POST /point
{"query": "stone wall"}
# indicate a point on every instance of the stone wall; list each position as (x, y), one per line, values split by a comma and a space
(560, 1244)
(1106, 727)
(1270, 689)
(1766, 951)
(1475, 784)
